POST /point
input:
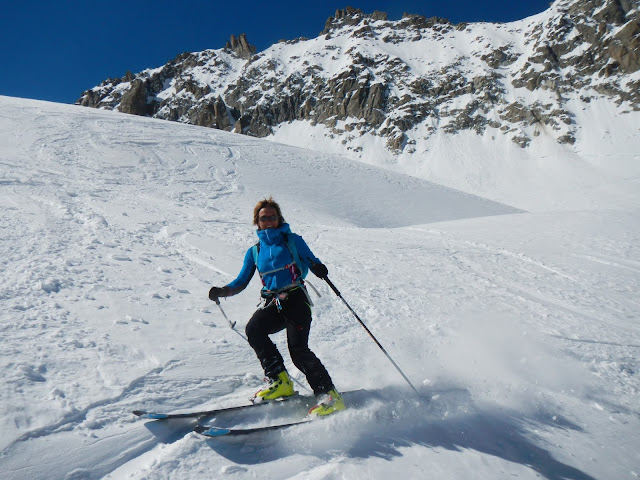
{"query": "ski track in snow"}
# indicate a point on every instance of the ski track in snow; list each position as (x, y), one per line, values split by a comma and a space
(520, 328)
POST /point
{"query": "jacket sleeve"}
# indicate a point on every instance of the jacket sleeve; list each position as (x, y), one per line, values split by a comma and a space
(304, 252)
(245, 275)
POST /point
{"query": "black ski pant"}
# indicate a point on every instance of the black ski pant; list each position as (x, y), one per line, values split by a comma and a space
(294, 315)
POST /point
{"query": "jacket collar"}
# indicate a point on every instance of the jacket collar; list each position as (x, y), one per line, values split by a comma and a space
(273, 236)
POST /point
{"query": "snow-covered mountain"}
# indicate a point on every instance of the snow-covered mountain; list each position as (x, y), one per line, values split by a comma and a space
(386, 91)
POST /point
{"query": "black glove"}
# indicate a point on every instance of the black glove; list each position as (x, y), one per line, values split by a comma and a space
(217, 292)
(319, 270)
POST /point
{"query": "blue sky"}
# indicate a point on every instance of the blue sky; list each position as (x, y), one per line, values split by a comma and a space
(54, 50)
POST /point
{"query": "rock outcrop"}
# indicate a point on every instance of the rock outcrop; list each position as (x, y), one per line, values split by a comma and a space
(399, 80)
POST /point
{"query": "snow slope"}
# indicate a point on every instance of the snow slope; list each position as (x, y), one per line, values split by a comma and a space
(546, 176)
(520, 330)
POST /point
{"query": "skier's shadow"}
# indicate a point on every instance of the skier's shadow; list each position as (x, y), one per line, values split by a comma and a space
(449, 421)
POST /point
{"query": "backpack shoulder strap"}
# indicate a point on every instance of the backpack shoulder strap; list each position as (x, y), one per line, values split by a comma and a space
(255, 250)
(290, 241)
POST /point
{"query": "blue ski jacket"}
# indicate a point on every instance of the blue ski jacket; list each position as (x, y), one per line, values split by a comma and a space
(273, 254)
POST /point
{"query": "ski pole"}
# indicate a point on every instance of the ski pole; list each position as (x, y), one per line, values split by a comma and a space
(231, 324)
(337, 292)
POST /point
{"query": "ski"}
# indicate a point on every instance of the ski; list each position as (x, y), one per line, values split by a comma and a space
(297, 398)
(213, 431)
(209, 431)
(209, 413)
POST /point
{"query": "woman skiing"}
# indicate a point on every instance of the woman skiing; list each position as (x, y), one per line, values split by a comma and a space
(282, 259)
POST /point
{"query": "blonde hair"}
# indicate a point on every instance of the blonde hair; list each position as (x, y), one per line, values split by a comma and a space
(265, 203)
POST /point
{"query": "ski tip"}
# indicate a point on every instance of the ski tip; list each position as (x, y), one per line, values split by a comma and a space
(150, 415)
(211, 431)
(156, 416)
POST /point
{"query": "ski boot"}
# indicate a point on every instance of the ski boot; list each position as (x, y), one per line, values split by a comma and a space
(330, 402)
(280, 387)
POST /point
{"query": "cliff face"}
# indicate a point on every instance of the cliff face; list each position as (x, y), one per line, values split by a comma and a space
(402, 79)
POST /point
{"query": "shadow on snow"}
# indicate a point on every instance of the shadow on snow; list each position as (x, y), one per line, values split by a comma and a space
(380, 423)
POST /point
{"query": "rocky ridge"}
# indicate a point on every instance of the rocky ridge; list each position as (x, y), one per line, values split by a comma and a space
(400, 80)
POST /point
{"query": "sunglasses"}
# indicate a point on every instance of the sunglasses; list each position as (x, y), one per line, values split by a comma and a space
(268, 218)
